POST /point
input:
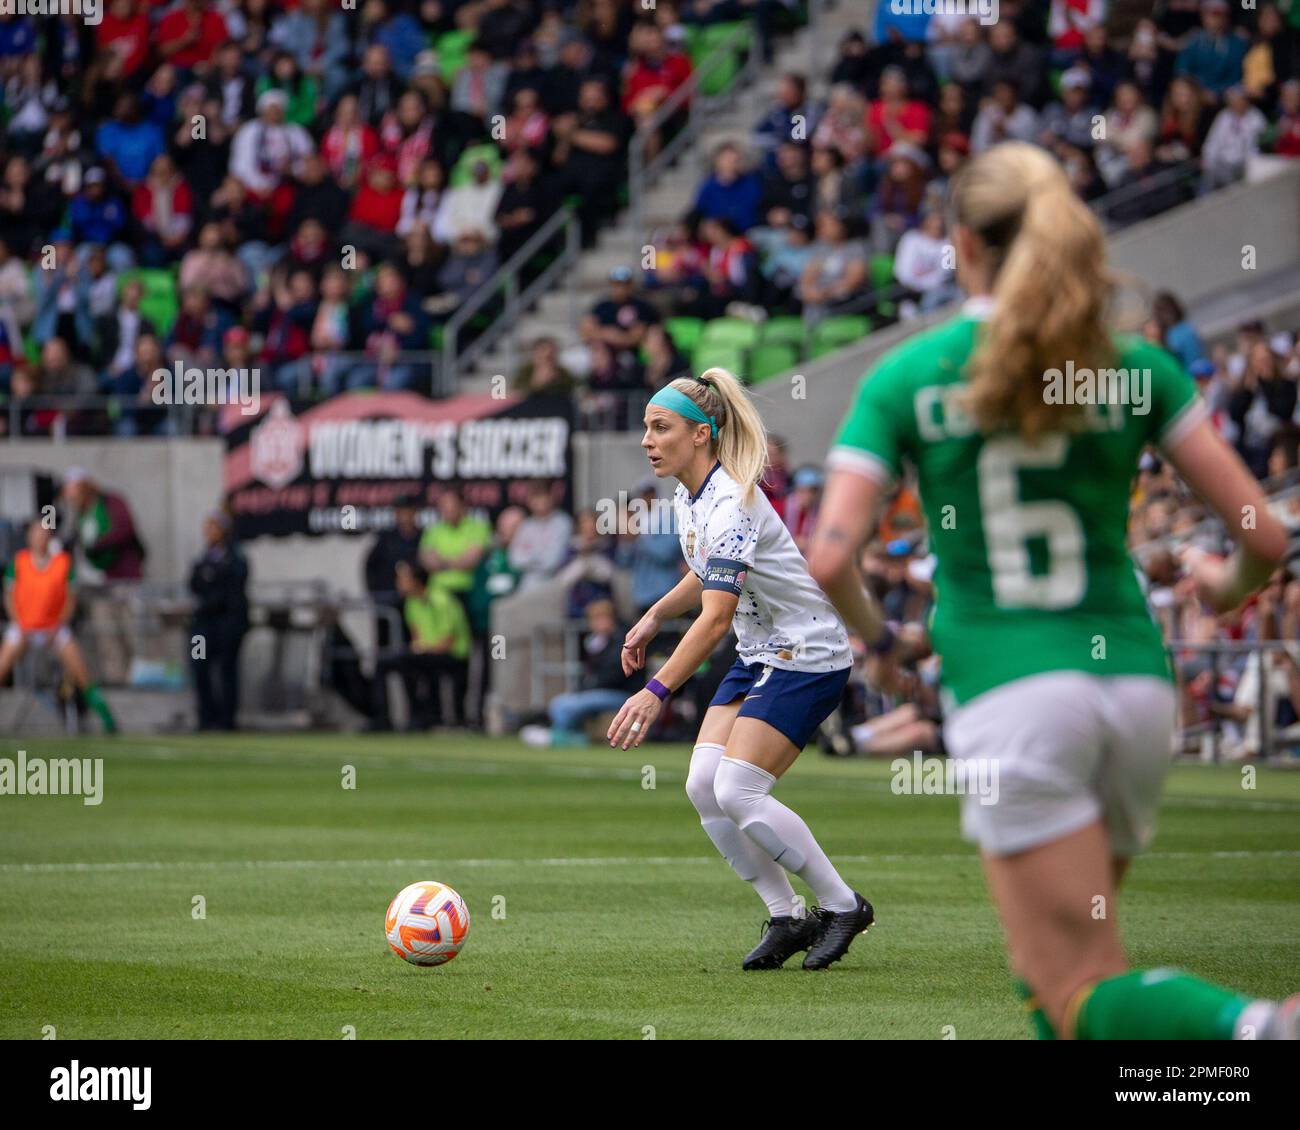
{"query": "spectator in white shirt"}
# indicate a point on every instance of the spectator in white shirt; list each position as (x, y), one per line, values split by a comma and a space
(1003, 117)
(420, 204)
(470, 206)
(1129, 119)
(923, 264)
(268, 150)
(1232, 140)
(541, 543)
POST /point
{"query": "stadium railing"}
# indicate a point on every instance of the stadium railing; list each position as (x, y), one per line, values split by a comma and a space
(136, 636)
(643, 173)
(1168, 188)
(511, 284)
(1206, 740)
(100, 414)
(1279, 489)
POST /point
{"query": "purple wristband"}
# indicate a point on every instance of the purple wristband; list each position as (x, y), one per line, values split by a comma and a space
(656, 688)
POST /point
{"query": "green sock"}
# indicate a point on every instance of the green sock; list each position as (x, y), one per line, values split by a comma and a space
(1157, 1004)
(96, 702)
(1037, 1017)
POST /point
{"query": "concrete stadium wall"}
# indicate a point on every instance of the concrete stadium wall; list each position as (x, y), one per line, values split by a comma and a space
(169, 483)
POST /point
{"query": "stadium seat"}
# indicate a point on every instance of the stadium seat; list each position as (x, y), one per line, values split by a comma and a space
(882, 271)
(769, 360)
(733, 358)
(785, 329)
(882, 278)
(711, 38)
(685, 332)
(836, 332)
(734, 332)
(160, 302)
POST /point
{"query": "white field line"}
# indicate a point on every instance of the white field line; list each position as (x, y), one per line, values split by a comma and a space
(590, 772)
(575, 861)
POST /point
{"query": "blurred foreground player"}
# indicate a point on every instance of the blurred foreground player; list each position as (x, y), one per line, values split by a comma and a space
(1054, 670)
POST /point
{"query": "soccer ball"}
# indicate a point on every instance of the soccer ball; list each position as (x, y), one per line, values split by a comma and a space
(426, 924)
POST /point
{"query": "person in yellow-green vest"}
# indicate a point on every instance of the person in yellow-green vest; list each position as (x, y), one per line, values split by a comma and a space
(451, 549)
(438, 650)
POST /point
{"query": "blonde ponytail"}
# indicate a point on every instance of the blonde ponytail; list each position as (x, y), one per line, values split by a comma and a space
(742, 438)
(1051, 288)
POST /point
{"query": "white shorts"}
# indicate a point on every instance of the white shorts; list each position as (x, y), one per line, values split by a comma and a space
(57, 638)
(1068, 749)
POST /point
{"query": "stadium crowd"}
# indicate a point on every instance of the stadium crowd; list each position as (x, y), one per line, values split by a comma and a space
(177, 183)
(838, 206)
(302, 187)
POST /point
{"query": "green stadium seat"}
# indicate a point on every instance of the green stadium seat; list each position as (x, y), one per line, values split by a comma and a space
(714, 36)
(733, 358)
(685, 332)
(882, 271)
(160, 303)
(735, 332)
(838, 331)
(719, 78)
(882, 278)
(769, 360)
(784, 329)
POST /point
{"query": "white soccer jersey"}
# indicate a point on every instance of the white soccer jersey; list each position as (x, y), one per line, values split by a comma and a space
(783, 618)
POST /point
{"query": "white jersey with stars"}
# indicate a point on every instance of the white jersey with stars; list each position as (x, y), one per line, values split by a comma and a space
(783, 619)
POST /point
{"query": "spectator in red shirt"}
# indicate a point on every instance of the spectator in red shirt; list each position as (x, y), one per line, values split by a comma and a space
(123, 38)
(731, 269)
(894, 117)
(189, 35)
(372, 220)
(164, 207)
(1285, 133)
(349, 144)
(528, 126)
(650, 77)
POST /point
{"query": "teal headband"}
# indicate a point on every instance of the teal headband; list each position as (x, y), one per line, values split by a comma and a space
(677, 401)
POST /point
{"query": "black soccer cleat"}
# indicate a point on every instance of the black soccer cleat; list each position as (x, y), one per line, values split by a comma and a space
(782, 938)
(837, 931)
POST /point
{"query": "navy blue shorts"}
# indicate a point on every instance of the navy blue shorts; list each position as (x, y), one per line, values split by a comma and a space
(793, 702)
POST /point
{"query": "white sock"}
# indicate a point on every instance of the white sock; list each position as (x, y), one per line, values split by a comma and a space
(1252, 1020)
(769, 878)
(743, 791)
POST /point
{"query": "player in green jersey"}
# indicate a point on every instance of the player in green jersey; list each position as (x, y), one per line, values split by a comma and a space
(1024, 418)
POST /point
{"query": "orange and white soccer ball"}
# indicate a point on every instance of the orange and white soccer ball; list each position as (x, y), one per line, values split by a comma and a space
(427, 923)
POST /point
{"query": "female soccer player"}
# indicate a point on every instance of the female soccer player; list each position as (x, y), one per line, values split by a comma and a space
(792, 663)
(1052, 665)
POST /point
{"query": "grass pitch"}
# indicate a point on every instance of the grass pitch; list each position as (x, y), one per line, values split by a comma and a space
(598, 906)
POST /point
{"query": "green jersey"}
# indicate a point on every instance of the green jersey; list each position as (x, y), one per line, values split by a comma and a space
(1033, 569)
